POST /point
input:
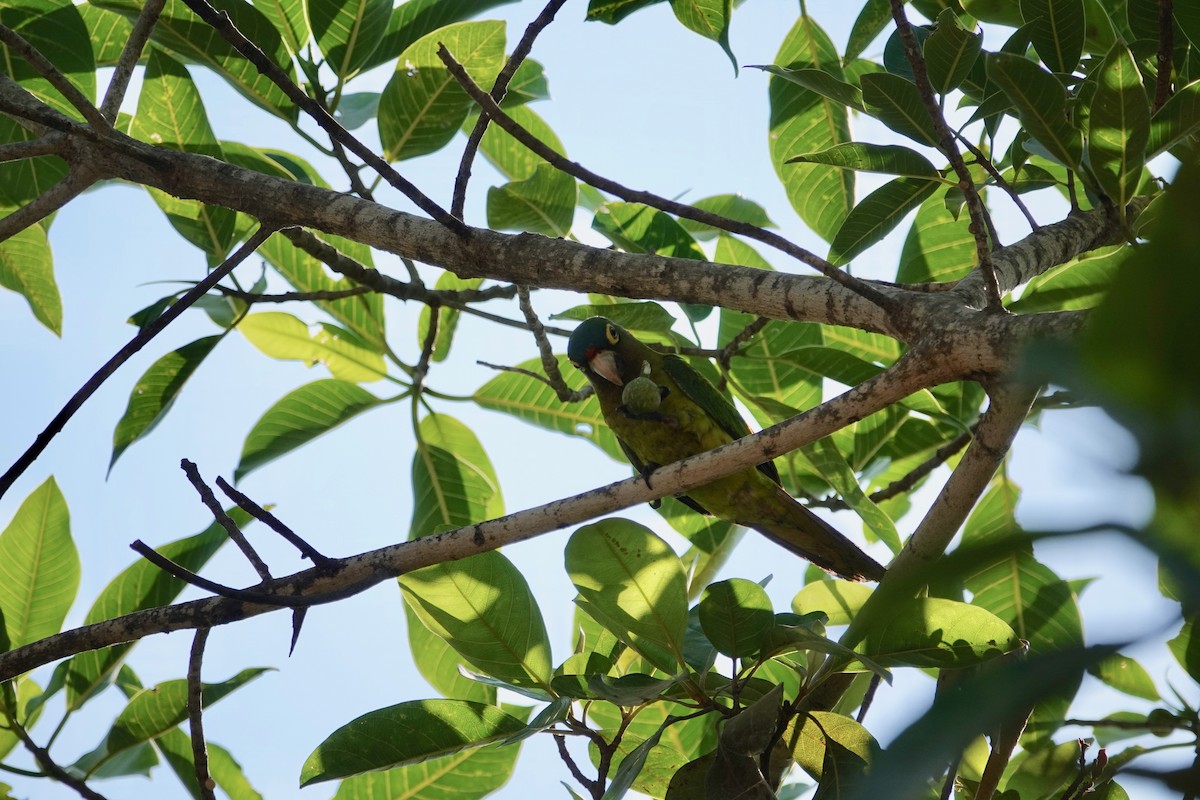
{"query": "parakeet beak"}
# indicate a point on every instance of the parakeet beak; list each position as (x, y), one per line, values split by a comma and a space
(604, 364)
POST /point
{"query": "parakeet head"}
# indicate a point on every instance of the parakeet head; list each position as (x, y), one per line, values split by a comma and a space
(595, 348)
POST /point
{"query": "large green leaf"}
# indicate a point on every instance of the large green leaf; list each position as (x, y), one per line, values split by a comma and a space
(822, 740)
(422, 106)
(640, 229)
(514, 160)
(171, 114)
(736, 616)
(1041, 103)
(283, 336)
(413, 19)
(891, 159)
(407, 733)
(447, 316)
(27, 268)
(709, 18)
(733, 206)
(141, 585)
(950, 52)
(834, 468)
(482, 607)
(895, 102)
(1118, 126)
(935, 632)
(348, 31)
(1056, 28)
(289, 19)
(533, 401)
(439, 664)
(1080, 283)
(57, 30)
(464, 775)
(631, 582)
(227, 773)
(454, 483)
(1178, 119)
(155, 392)
(542, 203)
(39, 567)
(300, 416)
(194, 40)
(803, 121)
(876, 216)
(362, 314)
(938, 246)
(24, 179)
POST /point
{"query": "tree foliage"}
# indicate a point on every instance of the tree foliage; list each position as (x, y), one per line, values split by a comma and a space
(683, 684)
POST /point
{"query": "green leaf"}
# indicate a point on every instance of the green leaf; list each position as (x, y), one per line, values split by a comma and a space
(454, 483)
(640, 317)
(839, 600)
(542, 203)
(535, 402)
(39, 567)
(171, 114)
(613, 11)
(632, 583)
(154, 393)
(440, 665)
(1186, 649)
(821, 82)
(194, 40)
(887, 158)
(1056, 28)
(447, 316)
(301, 415)
(57, 30)
(406, 733)
(141, 585)
(950, 52)
(24, 179)
(733, 206)
(422, 106)
(27, 268)
(802, 121)
(413, 19)
(876, 216)
(935, 632)
(514, 160)
(464, 775)
(348, 31)
(1041, 103)
(362, 314)
(176, 747)
(357, 109)
(938, 246)
(826, 741)
(1118, 126)
(895, 102)
(736, 615)
(1045, 773)
(709, 18)
(832, 465)
(282, 336)
(874, 16)
(641, 229)
(288, 18)
(482, 607)
(1126, 675)
(1178, 119)
(1080, 283)
(26, 691)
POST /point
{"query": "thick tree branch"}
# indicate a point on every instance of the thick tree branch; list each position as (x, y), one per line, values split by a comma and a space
(342, 578)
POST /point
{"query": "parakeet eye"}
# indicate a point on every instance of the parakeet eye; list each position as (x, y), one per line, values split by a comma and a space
(610, 333)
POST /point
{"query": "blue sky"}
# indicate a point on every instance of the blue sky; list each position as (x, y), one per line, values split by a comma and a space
(647, 103)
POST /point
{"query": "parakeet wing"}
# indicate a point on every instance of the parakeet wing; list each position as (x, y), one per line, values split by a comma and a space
(701, 392)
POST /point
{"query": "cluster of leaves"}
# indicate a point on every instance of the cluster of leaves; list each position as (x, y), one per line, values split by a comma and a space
(681, 685)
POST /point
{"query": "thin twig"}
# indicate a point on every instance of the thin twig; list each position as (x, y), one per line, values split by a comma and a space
(140, 340)
(491, 109)
(119, 83)
(545, 351)
(223, 25)
(289, 297)
(576, 396)
(21, 47)
(351, 170)
(1004, 185)
(427, 347)
(590, 785)
(184, 574)
(51, 767)
(210, 502)
(204, 780)
(512, 323)
(945, 143)
(47, 145)
(46, 203)
(1166, 46)
(499, 89)
(271, 521)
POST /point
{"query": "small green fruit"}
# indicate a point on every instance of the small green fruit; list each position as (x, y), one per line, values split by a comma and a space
(642, 396)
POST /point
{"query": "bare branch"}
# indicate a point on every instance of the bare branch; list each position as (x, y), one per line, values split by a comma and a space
(128, 59)
(549, 360)
(204, 781)
(1166, 47)
(223, 519)
(143, 337)
(45, 204)
(491, 109)
(52, 768)
(271, 521)
(499, 89)
(47, 145)
(348, 576)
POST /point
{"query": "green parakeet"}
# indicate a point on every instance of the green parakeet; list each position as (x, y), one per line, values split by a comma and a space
(687, 416)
